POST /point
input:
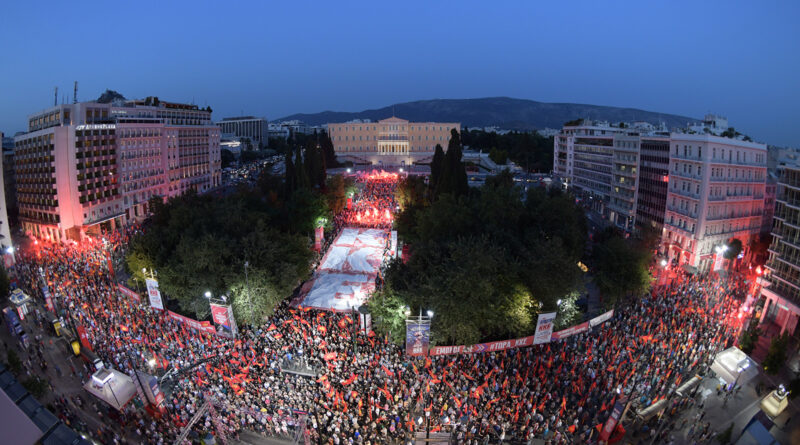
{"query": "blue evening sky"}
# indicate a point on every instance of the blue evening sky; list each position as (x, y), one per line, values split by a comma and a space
(735, 58)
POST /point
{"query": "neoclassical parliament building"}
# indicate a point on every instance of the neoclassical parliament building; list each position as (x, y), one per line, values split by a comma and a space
(389, 142)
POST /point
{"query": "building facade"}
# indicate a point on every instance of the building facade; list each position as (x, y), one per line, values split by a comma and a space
(600, 163)
(256, 129)
(391, 141)
(653, 182)
(5, 227)
(716, 193)
(781, 285)
(85, 167)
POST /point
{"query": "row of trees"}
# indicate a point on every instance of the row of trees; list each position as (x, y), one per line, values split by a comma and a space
(528, 149)
(486, 261)
(202, 243)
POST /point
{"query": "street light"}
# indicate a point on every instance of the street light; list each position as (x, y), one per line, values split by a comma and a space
(430, 314)
(663, 263)
(558, 303)
(208, 294)
(10, 250)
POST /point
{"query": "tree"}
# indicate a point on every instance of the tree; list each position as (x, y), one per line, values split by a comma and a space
(437, 164)
(486, 261)
(499, 157)
(301, 170)
(227, 157)
(36, 386)
(454, 174)
(733, 250)
(13, 361)
(410, 192)
(749, 337)
(776, 354)
(327, 150)
(619, 269)
(389, 312)
(338, 188)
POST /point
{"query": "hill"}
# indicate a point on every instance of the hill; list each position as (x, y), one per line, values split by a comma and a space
(504, 112)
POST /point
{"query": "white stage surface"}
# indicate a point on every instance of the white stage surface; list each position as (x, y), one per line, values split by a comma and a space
(346, 275)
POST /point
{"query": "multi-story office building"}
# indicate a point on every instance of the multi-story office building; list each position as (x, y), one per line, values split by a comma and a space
(716, 193)
(781, 285)
(391, 141)
(5, 228)
(256, 129)
(653, 181)
(600, 163)
(89, 166)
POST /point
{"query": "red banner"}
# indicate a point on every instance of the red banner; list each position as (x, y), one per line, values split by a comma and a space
(583, 327)
(520, 342)
(220, 315)
(111, 268)
(349, 203)
(84, 338)
(128, 292)
(318, 235)
(202, 326)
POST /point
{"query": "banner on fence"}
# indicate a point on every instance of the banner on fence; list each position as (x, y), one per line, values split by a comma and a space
(520, 342)
(544, 328)
(202, 326)
(418, 334)
(154, 294)
(602, 318)
(611, 423)
(128, 292)
(564, 333)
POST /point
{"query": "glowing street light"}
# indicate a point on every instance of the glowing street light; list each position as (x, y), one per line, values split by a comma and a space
(208, 294)
(558, 303)
(430, 314)
(663, 263)
(10, 250)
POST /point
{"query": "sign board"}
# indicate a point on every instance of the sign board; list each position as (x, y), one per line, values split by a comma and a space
(611, 423)
(544, 328)
(84, 338)
(154, 294)
(223, 316)
(418, 334)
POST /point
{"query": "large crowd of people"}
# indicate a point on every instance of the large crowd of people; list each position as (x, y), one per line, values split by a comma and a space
(375, 205)
(366, 390)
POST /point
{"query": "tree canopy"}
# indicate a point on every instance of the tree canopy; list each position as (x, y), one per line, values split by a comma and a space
(620, 267)
(528, 149)
(486, 262)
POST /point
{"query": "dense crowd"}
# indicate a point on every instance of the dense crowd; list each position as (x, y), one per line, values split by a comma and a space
(374, 206)
(562, 391)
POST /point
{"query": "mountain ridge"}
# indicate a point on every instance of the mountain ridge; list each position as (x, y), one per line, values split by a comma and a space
(504, 112)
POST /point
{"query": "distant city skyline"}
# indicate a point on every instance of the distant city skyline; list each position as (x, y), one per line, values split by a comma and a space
(733, 59)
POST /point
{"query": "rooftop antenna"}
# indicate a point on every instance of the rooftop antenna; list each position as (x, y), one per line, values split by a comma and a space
(55, 97)
(75, 93)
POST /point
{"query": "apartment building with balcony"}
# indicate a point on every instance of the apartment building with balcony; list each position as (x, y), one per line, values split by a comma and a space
(781, 285)
(391, 141)
(86, 167)
(600, 163)
(716, 193)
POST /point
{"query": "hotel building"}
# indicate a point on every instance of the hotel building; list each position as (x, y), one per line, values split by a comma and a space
(781, 285)
(88, 166)
(391, 141)
(716, 193)
(256, 129)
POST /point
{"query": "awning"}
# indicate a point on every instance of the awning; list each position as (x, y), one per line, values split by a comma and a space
(102, 220)
(734, 366)
(112, 387)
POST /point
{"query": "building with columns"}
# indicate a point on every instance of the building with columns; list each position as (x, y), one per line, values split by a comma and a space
(781, 286)
(86, 167)
(392, 141)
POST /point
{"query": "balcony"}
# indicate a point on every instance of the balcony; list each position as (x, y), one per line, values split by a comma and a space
(684, 212)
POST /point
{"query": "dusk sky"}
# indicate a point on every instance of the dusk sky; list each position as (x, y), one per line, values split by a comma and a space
(737, 59)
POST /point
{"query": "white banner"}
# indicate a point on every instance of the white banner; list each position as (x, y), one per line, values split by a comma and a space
(602, 318)
(393, 246)
(544, 328)
(154, 294)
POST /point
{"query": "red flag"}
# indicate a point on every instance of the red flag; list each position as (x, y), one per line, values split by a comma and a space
(272, 327)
